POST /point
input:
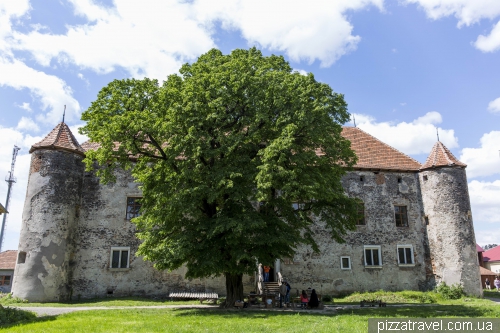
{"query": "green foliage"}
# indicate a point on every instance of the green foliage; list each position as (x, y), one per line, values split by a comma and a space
(222, 152)
(407, 296)
(7, 299)
(326, 298)
(12, 316)
(455, 291)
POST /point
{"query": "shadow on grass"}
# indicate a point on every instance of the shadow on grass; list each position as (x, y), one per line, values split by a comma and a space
(29, 321)
(428, 311)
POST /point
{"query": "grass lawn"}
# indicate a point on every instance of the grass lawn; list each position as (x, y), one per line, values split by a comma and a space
(216, 320)
(125, 301)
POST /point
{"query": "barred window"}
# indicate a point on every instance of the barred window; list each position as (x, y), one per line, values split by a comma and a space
(401, 215)
(133, 207)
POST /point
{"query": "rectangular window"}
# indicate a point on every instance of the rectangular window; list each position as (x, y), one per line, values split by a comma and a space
(133, 207)
(401, 215)
(426, 219)
(345, 262)
(373, 256)
(405, 255)
(5, 280)
(298, 205)
(21, 259)
(361, 213)
(120, 257)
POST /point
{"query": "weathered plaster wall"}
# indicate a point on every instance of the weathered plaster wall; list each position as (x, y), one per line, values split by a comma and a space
(451, 231)
(103, 225)
(48, 229)
(379, 192)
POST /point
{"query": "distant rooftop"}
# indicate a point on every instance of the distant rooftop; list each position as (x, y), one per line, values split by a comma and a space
(8, 259)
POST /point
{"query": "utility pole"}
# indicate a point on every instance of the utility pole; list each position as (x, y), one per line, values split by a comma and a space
(10, 179)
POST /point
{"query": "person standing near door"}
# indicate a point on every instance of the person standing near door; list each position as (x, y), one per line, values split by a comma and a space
(266, 273)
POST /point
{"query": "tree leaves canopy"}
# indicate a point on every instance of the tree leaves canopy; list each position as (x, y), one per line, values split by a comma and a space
(236, 157)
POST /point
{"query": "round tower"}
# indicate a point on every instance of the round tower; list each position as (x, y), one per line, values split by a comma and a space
(448, 217)
(51, 208)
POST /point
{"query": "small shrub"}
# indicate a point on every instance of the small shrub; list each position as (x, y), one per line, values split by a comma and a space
(7, 299)
(12, 316)
(455, 291)
(326, 298)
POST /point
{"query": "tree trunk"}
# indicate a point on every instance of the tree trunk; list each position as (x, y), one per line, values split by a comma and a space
(234, 289)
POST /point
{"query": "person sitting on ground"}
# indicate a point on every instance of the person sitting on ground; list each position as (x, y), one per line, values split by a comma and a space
(303, 299)
(314, 301)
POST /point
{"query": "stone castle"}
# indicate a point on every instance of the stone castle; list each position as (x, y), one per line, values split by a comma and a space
(77, 239)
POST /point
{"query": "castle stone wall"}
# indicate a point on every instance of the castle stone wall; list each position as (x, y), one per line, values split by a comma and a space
(379, 192)
(103, 225)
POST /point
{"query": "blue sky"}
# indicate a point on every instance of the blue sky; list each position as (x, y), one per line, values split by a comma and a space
(405, 67)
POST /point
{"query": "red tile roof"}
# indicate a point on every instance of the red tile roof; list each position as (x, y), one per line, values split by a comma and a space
(441, 156)
(479, 248)
(374, 154)
(492, 254)
(8, 259)
(59, 138)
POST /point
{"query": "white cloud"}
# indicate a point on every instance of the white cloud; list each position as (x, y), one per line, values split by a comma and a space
(483, 161)
(467, 13)
(10, 10)
(415, 137)
(300, 71)
(485, 201)
(494, 106)
(153, 40)
(27, 124)
(51, 90)
(25, 106)
(491, 42)
(304, 30)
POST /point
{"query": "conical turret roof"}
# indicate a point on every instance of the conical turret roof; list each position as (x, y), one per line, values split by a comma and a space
(59, 138)
(441, 156)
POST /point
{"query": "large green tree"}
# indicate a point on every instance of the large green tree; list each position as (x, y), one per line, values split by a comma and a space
(222, 152)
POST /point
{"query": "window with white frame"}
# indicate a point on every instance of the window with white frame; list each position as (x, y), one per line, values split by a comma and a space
(405, 255)
(345, 262)
(119, 257)
(373, 256)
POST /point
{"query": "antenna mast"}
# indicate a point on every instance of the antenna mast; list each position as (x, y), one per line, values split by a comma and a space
(10, 179)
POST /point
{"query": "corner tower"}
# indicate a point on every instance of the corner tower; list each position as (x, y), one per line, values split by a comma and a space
(450, 230)
(44, 266)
